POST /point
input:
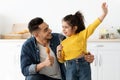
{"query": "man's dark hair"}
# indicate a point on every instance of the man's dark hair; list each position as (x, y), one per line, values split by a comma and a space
(34, 24)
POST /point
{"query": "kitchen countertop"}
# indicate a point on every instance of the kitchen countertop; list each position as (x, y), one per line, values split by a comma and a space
(13, 40)
(103, 40)
(89, 40)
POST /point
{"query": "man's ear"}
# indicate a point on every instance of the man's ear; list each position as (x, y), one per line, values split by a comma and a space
(35, 34)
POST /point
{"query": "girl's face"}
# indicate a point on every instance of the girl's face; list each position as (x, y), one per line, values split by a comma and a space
(67, 29)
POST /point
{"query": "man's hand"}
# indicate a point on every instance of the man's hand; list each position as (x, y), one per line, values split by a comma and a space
(89, 57)
(49, 61)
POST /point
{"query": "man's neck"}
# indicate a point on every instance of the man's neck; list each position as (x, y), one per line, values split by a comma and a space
(43, 42)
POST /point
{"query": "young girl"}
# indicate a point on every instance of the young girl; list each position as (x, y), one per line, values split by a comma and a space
(73, 49)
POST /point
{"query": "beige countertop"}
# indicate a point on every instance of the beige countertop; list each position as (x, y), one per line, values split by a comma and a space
(12, 40)
(103, 40)
(89, 40)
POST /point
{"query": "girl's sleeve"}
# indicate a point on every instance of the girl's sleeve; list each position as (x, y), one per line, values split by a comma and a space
(91, 28)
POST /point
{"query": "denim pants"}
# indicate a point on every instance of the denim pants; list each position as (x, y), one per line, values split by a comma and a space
(39, 77)
(78, 69)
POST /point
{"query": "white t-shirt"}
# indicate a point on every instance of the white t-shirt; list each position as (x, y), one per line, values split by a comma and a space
(51, 71)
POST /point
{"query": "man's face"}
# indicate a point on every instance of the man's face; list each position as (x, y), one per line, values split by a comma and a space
(44, 32)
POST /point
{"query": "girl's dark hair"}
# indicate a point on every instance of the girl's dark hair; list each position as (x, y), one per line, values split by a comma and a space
(34, 24)
(75, 20)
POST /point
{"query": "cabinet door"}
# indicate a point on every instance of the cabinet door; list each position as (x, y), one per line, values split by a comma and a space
(106, 65)
(109, 62)
(94, 66)
(9, 61)
(6, 61)
(17, 70)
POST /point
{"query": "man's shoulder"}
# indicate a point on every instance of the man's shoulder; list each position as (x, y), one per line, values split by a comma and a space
(59, 36)
(29, 41)
(55, 34)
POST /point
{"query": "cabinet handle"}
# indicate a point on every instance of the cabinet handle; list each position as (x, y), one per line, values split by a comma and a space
(100, 45)
(100, 60)
(96, 60)
(18, 45)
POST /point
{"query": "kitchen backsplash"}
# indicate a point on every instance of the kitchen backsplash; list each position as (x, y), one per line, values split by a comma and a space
(100, 33)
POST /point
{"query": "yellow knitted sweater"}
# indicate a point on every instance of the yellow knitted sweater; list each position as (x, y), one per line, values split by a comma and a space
(75, 45)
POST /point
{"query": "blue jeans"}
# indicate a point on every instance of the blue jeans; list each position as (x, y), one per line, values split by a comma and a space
(78, 69)
(39, 77)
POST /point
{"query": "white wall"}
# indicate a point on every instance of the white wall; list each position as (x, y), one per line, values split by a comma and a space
(52, 11)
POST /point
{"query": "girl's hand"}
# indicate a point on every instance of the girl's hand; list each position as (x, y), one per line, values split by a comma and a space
(59, 49)
(104, 8)
(105, 11)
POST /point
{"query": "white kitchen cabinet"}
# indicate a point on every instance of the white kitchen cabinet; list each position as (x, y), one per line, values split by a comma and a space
(106, 65)
(10, 60)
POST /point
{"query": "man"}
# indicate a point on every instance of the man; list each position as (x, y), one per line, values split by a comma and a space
(36, 63)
